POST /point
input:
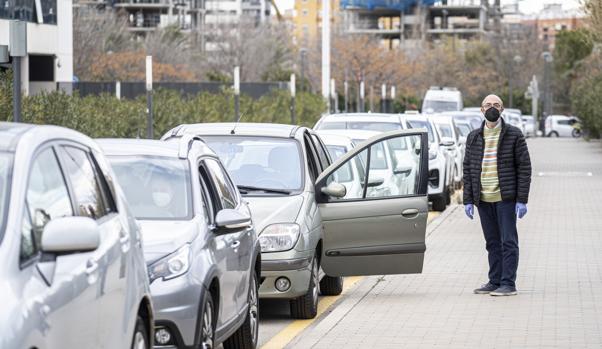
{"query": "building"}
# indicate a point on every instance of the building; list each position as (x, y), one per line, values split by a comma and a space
(49, 41)
(551, 20)
(307, 19)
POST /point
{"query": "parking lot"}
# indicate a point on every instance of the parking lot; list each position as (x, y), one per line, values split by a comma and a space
(559, 277)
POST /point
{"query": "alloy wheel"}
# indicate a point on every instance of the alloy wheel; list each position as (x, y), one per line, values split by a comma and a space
(207, 327)
(254, 310)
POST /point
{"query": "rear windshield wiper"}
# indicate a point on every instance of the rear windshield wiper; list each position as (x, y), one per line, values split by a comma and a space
(245, 189)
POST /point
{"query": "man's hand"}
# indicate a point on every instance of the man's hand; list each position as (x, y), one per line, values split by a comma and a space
(521, 209)
(469, 209)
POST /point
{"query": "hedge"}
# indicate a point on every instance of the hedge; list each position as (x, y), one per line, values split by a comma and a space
(107, 116)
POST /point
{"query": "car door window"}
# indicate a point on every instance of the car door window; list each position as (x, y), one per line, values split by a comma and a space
(393, 171)
(86, 186)
(47, 198)
(312, 162)
(321, 152)
(225, 189)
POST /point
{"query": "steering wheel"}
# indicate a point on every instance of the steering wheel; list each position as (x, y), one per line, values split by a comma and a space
(268, 183)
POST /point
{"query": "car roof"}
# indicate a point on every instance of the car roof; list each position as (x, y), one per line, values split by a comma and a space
(373, 117)
(127, 146)
(359, 134)
(231, 128)
(335, 138)
(463, 113)
(11, 135)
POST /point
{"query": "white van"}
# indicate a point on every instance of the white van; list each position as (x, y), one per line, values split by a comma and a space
(559, 125)
(437, 100)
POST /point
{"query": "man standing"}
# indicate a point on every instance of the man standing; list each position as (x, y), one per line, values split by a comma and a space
(497, 177)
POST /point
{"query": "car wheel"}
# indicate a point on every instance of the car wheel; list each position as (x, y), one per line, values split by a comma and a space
(207, 329)
(140, 340)
(553, 134)
(331, 285)
(306, 306)
(246, 337)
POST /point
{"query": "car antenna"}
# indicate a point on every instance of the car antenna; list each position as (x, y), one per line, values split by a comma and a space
(233, 131)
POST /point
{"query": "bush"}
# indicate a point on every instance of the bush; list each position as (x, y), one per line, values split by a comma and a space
(106, 116)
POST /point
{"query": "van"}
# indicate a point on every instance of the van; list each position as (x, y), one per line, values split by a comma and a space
(437, 100)
(559, 126)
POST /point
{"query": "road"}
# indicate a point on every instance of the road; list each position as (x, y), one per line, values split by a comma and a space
(559, 278)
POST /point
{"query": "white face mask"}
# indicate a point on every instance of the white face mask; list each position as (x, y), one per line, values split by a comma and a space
(161, 199)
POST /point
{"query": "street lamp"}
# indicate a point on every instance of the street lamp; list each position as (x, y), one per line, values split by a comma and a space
(516, 61)
(547, 95)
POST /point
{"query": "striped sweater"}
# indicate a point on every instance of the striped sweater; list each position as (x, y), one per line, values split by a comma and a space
(490, 184)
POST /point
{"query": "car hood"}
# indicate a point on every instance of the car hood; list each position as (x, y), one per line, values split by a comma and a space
(274, 209)
(161, 238)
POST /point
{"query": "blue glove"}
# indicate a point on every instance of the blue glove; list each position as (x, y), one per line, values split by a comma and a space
(469, 210)
(521, 209)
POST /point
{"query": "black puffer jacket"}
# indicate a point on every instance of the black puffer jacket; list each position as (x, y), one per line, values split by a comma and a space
(513, 165)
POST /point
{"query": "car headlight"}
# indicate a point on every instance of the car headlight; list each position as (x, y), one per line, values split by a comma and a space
(279, 237)
(432, 154)
(171, 266)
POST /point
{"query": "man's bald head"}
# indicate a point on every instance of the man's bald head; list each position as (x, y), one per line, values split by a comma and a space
(492, 101)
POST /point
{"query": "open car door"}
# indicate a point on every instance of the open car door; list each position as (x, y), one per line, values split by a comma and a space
(375, 223)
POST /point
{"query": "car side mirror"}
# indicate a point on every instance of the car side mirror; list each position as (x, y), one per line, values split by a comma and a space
(232, 219)
(70, 235)
(335, 190)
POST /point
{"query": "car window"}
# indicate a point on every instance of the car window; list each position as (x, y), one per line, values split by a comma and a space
(360, 125)
(345, 173)
(156, 187)
(228, 197)
(85, 183)
(260, 162)
(322, 153)
(464, 129)
(445, 130)
(384, 181)
(564, 122)
(439, 106)
(423, 124)
(47, 198)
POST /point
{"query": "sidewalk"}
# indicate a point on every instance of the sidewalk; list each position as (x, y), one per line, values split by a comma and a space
(559, 278)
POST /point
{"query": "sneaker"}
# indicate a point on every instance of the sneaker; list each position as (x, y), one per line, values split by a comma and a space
(486, 289)
(504, 291)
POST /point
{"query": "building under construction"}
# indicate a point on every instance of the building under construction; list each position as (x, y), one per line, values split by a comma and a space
(403, 23)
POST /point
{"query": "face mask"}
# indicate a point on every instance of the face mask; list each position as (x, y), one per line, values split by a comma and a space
(492, 114)
(161, 199)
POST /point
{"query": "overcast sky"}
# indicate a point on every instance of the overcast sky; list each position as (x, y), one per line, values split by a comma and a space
(526, 6)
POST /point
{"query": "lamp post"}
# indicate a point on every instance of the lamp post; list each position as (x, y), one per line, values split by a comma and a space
(515, 61)
(18, 49)
(293, 93)
(362, 96)
(547, 95)
(236, 94)
(149, 97)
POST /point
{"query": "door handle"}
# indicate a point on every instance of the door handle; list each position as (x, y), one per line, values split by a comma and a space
(91, 266)
(410, 212)
(124, 239)
(235, 244)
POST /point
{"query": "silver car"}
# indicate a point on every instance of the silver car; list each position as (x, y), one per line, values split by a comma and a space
(311, 234)
(201, 248)
(72, 272)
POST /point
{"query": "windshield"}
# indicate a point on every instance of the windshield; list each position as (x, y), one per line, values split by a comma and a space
(157, 188)
(439, 106)
(5, 164)
(445, 130)
(423, 124)
(464, 129)
(357, 125)
(260, 162)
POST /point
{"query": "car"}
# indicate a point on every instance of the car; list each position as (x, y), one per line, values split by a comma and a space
(472, 109)
(530, 125)
(437, 100)
(441, 162)
(559, 126)
(202, 251)
(514, 118)
(72, 272)
(474, 118)
(464, 127)
(448, 132)
(359, 121)
(311, 232)
(338, 145)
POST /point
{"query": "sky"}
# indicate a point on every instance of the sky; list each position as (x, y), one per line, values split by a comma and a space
(526, 6)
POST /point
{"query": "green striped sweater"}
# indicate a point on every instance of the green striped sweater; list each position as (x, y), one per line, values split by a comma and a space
(490, 184)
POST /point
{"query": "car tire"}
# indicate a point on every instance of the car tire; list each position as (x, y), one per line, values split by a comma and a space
(207, 328)
(440, 202)
(553, 134)
(306, 306)
(331, 285)
(140, 339)
(247, 335)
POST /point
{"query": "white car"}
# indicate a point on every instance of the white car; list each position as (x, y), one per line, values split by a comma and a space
(437, 100)
(530, 125)
(513, 117)
(390, 170)
(441, 163)
(446, 127)
(349, 176)
(474, 118)
(359, 122)
(559, 126)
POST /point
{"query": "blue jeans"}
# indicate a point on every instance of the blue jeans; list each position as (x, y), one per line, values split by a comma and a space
(498, 221)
